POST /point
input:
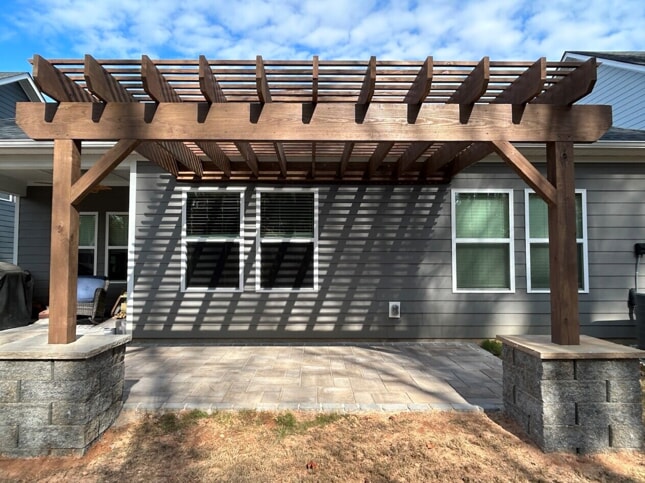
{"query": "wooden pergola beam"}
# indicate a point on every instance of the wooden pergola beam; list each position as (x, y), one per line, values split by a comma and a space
(527, 86)
(262, 84)
(314, 80)
(101, 169)
(442, 157)
(571, 88)
(474, 86)
(563, 250)
(329, 122)
(155, 153)
(410, 156)
(282, 158)
(377, 158)
(469, 156)
(525, 170)
(208, 84)
(247, 152)
(57, 85)
(422, 83)
(344, 159)
(369, 83)
(216, 155)
(63, 268)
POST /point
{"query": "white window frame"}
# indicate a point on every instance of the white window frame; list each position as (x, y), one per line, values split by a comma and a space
(8, 197)
(529, 241)
(109, 247)
(260, 240)
(95, 214)
(510, 241)
(185, 239)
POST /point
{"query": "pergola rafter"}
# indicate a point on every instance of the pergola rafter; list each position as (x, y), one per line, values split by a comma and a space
(318, 121)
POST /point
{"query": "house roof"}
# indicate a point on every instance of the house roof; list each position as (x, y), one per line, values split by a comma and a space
(631, 57)
(10, 130)
(620, 134)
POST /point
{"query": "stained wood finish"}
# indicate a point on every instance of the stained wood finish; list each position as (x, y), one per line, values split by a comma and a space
(313, 123)
(474, 86)
(64, 244)
(563, 251)
(525, 170)
(383, 122)
(421, 86)
(526, 87)
(571, 88)
(101, 169)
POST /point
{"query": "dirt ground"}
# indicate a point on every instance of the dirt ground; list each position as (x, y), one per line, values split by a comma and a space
(263, 446)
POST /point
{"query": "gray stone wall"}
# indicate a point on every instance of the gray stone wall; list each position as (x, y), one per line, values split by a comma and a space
(59, 407)
(574, 405)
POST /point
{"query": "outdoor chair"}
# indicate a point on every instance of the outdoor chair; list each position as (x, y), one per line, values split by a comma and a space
(90, 297)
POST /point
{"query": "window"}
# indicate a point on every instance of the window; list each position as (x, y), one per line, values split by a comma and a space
(87, 243)
(287, 244)
(537, 242)
(212, 257)
(7, 197)
(116, 247)
(482, 241)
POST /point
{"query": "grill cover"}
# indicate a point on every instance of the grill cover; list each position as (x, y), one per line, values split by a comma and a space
(16, 289)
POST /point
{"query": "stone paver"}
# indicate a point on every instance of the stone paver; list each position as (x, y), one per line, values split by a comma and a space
(342, 377)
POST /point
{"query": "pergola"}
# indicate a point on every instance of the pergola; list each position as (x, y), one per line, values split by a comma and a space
(314, 121)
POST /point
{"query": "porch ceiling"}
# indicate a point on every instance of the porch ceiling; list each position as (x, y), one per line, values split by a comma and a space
(315, 120)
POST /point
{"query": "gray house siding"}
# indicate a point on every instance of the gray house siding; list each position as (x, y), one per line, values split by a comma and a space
(7, 227)
(9, 95)
(624, 88)
(379, 244)
(35, 236)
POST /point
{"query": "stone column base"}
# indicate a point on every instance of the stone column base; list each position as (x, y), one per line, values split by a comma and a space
(58, 399)
(582, 399)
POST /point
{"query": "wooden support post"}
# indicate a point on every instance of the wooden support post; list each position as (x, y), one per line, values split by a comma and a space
(63, 273)
(563, 252)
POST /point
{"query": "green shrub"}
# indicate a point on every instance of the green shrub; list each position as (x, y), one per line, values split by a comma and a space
(492, 345)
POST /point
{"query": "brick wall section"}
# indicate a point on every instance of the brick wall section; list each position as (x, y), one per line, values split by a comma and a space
(574, 405)
(59, 407)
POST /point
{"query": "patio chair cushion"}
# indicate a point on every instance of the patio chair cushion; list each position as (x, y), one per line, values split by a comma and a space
(87, 286)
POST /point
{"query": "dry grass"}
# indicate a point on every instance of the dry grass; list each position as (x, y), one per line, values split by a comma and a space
(263, 446)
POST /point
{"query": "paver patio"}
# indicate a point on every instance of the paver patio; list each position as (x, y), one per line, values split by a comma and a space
(395, 376)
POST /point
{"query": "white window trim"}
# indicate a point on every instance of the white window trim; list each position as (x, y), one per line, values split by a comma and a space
(258, 244)
(108, 247)
(185, 239)
(95, 214)
(510, 241)
(16, 228)
(8, 197)
(529, 241)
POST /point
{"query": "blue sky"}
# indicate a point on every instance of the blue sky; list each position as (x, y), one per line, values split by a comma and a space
(299, 29)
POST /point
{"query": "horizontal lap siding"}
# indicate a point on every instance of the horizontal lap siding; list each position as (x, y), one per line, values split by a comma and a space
(7, 221)
(376, 244)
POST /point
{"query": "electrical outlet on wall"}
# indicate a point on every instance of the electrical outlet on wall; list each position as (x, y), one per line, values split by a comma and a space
(395, 310)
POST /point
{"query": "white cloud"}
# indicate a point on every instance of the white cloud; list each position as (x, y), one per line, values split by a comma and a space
(394, 29)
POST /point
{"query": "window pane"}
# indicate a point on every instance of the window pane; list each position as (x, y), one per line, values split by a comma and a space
(482, 215)
(287, 265)
(86, 261)
(540, 266)
(87, 230)
(118, 230)
(483, 266)
(117, 264)
(287, 215)
(213, 214)
(538, 217)
(213, 265)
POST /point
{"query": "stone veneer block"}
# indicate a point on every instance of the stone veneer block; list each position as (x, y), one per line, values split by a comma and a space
(583, 398)
(58, 399)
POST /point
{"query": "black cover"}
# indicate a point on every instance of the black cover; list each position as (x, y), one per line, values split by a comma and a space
(16, 289)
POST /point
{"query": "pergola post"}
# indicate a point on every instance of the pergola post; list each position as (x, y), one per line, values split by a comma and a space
(64, 243)
(563, 251)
